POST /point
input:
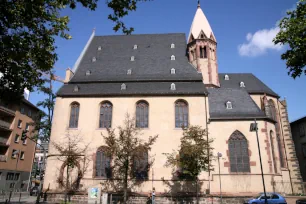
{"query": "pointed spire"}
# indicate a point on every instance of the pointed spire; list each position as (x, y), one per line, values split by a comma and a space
(200, 24)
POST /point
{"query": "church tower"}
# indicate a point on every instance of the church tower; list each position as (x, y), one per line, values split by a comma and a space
(202, 49)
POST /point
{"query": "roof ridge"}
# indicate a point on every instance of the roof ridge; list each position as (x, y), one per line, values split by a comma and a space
(141, 34)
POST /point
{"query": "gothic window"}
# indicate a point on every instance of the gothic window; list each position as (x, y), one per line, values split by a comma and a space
(140, 164)
(172, 57)
(203, 52)
(103, 163)
(226, 77)
(181, 114)
(74, 115)
(238, 153)
(142, 114)
(273, 151)
(75, 88)
(106, 110)
(242, 84)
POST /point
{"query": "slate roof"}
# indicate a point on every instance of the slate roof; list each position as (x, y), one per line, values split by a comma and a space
(243, 105)
(136, 88)
(252, 84)
(152, 59)
(151, 69)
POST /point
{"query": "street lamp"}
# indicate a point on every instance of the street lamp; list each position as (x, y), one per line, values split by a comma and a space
(219, 156)
(254, 127)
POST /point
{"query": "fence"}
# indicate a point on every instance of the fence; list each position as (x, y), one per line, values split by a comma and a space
(16, 196)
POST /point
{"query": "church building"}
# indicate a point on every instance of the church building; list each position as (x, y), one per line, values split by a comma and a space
(166, 81)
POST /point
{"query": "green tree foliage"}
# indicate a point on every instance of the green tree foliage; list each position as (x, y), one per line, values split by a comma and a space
(194, 154)
(124, 146)
(293, 33)
(27, 38)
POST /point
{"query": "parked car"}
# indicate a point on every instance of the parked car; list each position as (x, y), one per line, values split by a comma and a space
(272, 198)
(34, 191)
(301, 201)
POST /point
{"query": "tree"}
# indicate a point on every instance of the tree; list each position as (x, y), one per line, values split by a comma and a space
(72, 152)
(293, 32)
(126, 148)
(193, 156)
(43, 123)
(27, 38)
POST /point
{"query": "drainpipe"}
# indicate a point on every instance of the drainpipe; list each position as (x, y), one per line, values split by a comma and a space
(206, 115)
(285, 146)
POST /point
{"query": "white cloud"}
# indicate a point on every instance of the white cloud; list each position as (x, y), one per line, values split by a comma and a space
(259, 42)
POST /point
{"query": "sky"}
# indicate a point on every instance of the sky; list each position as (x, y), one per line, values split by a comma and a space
(244, 31)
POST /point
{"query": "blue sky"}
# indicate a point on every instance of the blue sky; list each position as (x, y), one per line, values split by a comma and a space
(244, 30)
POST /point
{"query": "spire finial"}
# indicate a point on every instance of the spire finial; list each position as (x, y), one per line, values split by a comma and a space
(199, 4)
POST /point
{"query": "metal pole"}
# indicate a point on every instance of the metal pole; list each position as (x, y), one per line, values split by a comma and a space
(40, 176)
(262, 175)
(14, 176)
(219, 155)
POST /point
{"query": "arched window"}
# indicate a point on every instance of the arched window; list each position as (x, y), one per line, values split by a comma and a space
(132, 58)
(203, 53)
(226, 77)
(140, 164)
(172, 45)
(172, 57)
(172, 87)
(229, 105)
(123, 86)
(238, 152)
(94, 59)
(74, 115)
(103, 163)
(181, 114)
(142, 114)
(135, 47)
(273, 151)
(242, 84)
(106, 110)
(172, 71)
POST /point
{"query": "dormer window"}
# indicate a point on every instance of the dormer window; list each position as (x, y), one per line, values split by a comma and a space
(172, 57)
(94, 59)
(226, 77)
(172, 45)
(76, 88)
(173, 87)
(88, 72)
(229, 105)
(99, 48)
(172, 71)
(123, 87)
(135, 47)
(132, 58)
(242, 84)
(129, 72)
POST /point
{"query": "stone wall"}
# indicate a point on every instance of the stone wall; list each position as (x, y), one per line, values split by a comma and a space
(206, 199)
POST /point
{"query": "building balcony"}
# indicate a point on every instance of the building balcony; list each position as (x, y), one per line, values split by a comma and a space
(3, 141)
(3, 158)
(5, 125)
(6, 111)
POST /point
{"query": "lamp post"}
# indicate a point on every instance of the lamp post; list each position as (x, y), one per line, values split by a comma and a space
(219, 156)
(253, 128)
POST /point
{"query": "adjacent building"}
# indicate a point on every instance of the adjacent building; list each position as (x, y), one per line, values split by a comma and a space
(298, 128)
(167, 82)
(16, 154)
